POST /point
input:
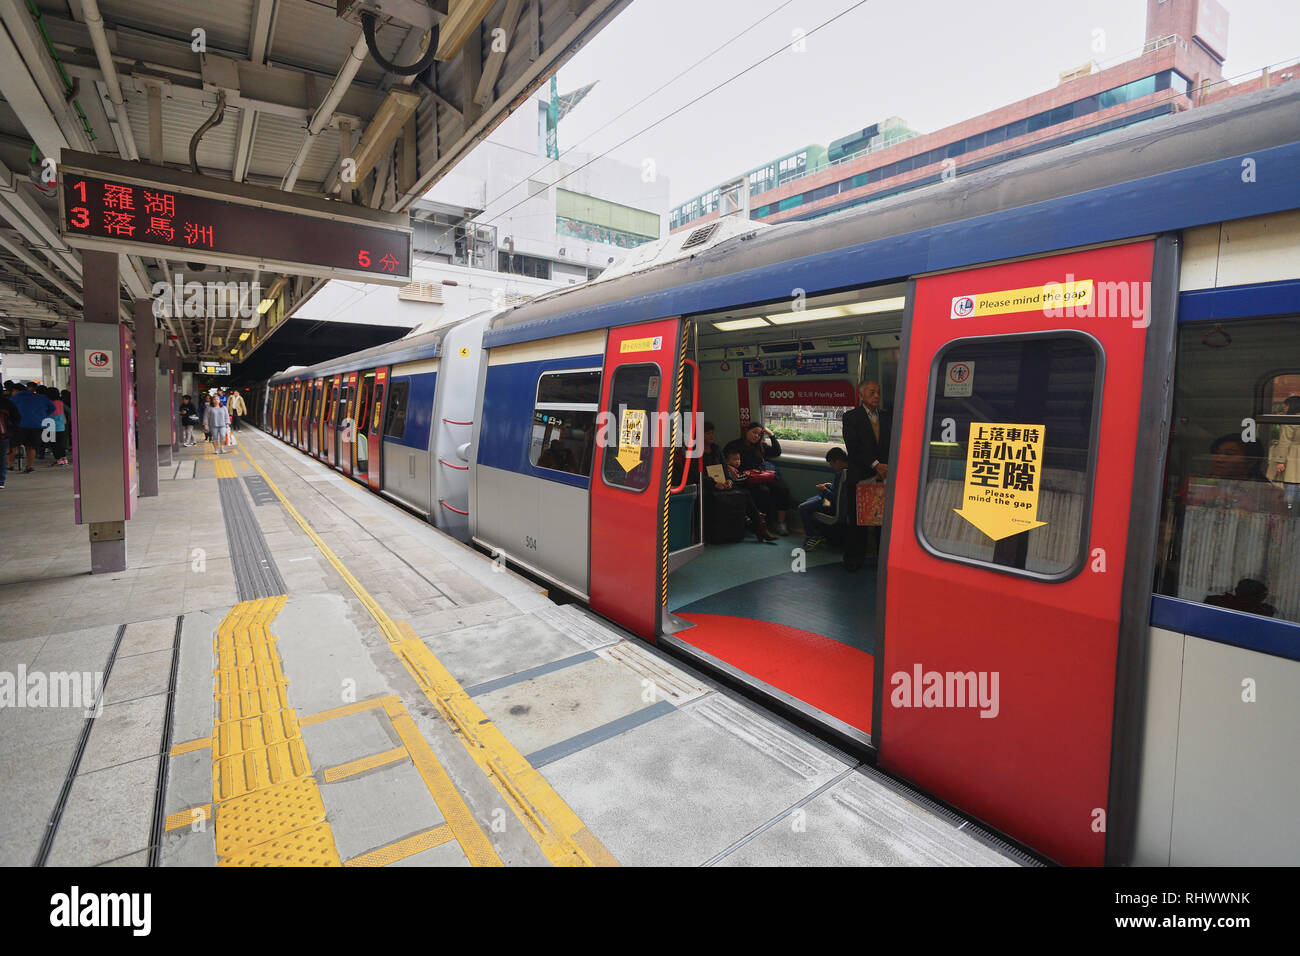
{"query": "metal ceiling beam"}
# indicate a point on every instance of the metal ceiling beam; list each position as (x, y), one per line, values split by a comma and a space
(325, 112)
(19, 252)
(24, 49)
(463, 20)
(497, 57)
(95, 24)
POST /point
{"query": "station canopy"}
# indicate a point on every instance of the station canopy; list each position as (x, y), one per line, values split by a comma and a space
(364, 103)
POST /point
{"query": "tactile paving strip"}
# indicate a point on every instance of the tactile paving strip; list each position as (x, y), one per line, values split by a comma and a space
(255, 818)
(268, 809)
(312, 846)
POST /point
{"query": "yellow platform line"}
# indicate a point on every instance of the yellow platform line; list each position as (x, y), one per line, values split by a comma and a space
(267, 805)
(183, 818)
(345, 711)
(354, 767)
(190, 746)
(225, 469)
(561, 835)
(403, 848)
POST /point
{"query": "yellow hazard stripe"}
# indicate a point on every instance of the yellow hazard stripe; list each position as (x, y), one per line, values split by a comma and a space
(403, 848)
(560, 834)
(354, 767)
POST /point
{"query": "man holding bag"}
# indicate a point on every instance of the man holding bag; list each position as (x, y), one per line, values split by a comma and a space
(867, 433)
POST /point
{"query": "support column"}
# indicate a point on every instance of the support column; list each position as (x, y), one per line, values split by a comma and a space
(146, 391)
(174, 367)
(105, 483)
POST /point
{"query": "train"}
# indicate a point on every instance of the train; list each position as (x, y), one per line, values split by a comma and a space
(1080, 626)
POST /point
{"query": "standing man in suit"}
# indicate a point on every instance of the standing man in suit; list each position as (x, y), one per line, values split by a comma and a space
(867, 432)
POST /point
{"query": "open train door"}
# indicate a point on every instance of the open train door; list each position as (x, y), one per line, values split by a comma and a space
(640, 392)
(375, 429)
(348, 426)
(1011, 583)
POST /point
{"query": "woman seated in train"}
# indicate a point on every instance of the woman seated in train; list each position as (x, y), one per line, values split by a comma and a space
(757, 446)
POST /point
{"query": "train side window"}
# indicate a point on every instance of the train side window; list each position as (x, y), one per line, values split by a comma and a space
(395, 423)
(1031, 405)
(564, 421)
(1230, 524)
(634, 399)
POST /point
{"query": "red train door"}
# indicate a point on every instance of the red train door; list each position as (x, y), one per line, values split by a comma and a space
(303, 391)
(329, 422)
(348, 427)
(1011, 497)
(629, 480)
(375, 428)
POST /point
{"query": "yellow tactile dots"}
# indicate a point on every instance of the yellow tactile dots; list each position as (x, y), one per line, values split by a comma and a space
(267, 806)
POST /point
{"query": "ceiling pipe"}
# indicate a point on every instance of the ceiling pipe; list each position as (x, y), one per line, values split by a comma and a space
(321, 118)
(95, 23)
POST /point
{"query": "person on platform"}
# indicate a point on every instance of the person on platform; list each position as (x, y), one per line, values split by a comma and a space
(8, 429)
(867, 431)
(217, 421)
(189, 418)
(58, 447)
(235, 405)
(34, 407)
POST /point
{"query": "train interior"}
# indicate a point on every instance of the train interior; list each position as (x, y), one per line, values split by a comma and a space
(786, 613)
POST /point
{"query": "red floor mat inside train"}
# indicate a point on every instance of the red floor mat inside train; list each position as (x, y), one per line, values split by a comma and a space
(820, 671)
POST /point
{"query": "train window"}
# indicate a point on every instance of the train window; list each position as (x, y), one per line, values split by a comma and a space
(395, 423)
(634, 398)
(1229, 529)
(1030, 404)
(564, 420)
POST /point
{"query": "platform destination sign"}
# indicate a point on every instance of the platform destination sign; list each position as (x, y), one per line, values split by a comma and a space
(214, 368)
(135, 208)
(41, 343)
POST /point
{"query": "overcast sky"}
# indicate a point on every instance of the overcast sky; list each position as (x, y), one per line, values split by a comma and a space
(931, 62)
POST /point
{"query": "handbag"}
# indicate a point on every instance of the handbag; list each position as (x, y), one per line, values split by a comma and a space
(870, 504)
(757, 476)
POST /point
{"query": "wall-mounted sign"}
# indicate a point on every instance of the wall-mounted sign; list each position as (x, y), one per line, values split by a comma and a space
(214, 368)
(99, 363)
(130, 207)
(37, 343)
(959, 380)
(833, 394)
(835, 363)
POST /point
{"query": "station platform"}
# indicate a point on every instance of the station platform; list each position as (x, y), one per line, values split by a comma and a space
(297, 672)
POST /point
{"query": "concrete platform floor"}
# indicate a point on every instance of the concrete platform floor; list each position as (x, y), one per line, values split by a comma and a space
(403, 702)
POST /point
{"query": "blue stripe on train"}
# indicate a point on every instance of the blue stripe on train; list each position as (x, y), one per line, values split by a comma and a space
(508, 399)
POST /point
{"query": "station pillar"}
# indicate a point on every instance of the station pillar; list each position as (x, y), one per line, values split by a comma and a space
(105, 480)
(146, 387)
(174, 367)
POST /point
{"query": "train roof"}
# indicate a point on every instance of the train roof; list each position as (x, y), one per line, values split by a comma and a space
(1170, 173)
(412, 348)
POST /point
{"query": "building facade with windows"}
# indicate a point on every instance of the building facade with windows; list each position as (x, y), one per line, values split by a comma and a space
(508, 224)
(1180, 68)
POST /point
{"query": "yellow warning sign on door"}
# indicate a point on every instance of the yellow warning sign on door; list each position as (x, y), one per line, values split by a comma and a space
(631, 430)
(1004, 470)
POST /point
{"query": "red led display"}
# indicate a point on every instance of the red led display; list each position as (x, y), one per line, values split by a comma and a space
(147, 216)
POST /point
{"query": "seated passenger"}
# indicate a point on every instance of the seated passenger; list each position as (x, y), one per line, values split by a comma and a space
(823, 511)
(737, 479)
(771, 495)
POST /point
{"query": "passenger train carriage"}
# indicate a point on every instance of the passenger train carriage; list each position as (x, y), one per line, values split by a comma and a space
(1108, 676)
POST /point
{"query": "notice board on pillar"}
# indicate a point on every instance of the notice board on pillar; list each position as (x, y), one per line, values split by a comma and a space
(105, 478)
(116, 206)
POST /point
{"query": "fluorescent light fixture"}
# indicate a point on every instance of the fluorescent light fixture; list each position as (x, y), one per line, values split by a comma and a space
(265, 306)
(735, 325)
(243, 336)
(871, 307)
